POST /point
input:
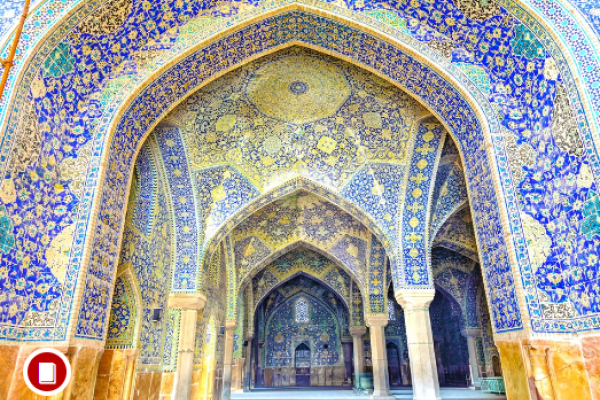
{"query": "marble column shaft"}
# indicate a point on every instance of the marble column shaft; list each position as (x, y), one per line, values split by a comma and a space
(420, 342)
(248, 362)
(470, 334)
(358, 348)
(129, 374)
(189, 304)
(228, 359)
(381, 381)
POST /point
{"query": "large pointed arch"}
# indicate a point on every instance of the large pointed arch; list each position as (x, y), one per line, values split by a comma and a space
(246, 279)
(299, 184)
(484, 176)
(156, 96)
(308, 275)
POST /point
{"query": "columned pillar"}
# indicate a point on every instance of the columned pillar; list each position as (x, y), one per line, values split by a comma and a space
(130, 360)
(189, 304)
(471, 334)
(228, 359)
(248, 362)
(381, 381)
(420, 342)
(358, 348)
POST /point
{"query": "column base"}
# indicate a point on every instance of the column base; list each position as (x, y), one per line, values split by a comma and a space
(84, 366)
(427, 398)
(383, 397)
(554, 369)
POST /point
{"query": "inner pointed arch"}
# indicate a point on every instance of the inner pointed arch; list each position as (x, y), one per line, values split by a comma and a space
(309, 276)
(247, 278)
(289, 188)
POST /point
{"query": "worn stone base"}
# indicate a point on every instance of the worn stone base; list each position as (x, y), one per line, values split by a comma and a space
(237, 374)
(99, 374)
(166, 385)
(147, 386)
(551, 369)
(84, 365)
(115, 376)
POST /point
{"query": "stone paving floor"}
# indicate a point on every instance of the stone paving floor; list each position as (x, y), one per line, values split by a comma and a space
(447, 393)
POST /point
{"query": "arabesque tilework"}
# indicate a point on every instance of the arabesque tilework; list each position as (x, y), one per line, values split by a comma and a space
(414, 223)
(123, 315)
(450, 192)
(187, 232)
(541, 123)
(458, 234)
(307, 262)
(327, 323)
(146, 262)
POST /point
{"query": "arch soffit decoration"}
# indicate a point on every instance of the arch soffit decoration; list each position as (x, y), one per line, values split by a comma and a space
(456, 208)
(294, 297)
(543, 18)
(457, 247)
(247, 279)
(130, 102)
(459, 207)
(126, 272)
(457, 89)
(291, 187)
(310, 276)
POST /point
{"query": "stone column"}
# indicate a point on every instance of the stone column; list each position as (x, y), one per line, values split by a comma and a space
(471, 334)
(189, 304)
(420, 342)
(228, 359)
(248, 365)
(129, 374)
(381, 380)
(358, 348)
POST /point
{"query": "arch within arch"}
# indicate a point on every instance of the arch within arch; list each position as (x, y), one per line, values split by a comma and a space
(482, 191)
(327, 329)
(358, 283)
(523, 252)
(245, 280)
(299, 184)
(126, 309)
(513, 320)
(345, 299)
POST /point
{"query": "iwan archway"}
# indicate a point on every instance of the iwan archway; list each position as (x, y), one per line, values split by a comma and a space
(321, 135)
(263, 169)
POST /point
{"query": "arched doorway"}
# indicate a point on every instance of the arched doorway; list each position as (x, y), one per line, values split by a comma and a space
(451, 352)
(496, 366)
(393, 355)
(299, 212)
(301, 328)
(302, 364)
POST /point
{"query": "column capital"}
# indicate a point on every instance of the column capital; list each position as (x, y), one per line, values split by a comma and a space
(376, 320)
(471, 332)
(230, 324)
(414, 299)
(358, 330)
(187, 301)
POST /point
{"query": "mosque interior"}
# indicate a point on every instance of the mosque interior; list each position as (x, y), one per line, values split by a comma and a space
(201, 198)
